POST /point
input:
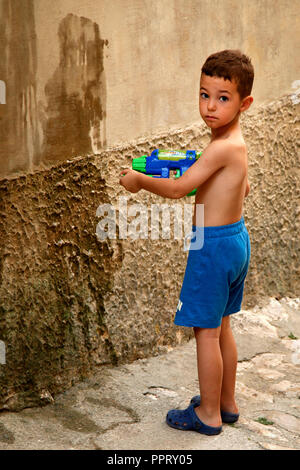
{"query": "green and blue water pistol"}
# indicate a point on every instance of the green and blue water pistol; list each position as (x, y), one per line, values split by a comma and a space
(161, 162)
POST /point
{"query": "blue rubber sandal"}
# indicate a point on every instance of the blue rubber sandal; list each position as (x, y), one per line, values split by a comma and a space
(226, 416)
(187, 420)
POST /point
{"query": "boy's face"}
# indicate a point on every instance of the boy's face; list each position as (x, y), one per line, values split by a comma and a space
(219, 101)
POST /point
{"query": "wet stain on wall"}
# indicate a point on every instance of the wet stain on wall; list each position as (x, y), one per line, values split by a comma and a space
(19, 133)
(75, 115)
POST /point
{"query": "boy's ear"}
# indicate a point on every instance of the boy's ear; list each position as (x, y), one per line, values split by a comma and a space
(246, 103)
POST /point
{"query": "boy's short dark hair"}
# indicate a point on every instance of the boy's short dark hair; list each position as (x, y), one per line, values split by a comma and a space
(231, 64)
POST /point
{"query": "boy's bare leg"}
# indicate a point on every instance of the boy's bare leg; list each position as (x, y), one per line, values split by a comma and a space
(210, 372)
(230, 357)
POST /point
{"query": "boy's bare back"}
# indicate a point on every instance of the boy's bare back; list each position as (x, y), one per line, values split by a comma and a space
(224, 165)
(223, 193)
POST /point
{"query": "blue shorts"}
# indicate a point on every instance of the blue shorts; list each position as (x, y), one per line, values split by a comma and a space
(214, 278)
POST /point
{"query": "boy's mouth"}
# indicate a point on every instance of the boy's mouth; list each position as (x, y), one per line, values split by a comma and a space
(211, 118)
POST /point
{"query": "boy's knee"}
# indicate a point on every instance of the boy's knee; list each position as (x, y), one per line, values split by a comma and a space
(207, 332)
(225, 327)
(226, 322)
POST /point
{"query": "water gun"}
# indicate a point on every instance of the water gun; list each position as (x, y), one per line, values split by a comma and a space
(161, 162)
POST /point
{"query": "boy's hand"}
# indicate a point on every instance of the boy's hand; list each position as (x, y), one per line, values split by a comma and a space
(130, 180)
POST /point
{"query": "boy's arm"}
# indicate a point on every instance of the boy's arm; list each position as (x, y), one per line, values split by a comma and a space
(214, 157)
(133, 181)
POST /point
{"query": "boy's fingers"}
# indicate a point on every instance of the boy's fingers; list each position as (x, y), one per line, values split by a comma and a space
(125, 171)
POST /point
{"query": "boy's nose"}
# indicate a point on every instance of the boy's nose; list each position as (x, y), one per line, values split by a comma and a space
(211, 105)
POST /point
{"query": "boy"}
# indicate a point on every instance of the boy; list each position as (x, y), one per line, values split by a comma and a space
(214, 278)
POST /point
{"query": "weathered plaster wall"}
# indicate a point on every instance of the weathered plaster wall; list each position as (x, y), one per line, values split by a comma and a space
(83, 75)
(54, 276)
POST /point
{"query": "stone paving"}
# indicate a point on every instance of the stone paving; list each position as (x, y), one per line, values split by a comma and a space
(124, 407)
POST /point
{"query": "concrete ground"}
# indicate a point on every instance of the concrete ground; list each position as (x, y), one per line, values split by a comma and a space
(124, 407)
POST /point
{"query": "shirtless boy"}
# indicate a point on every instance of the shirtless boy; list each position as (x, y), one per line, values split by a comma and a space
(214, 278)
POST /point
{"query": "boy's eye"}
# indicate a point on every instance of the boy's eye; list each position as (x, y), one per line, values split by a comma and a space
(204, 95)
(223, 98)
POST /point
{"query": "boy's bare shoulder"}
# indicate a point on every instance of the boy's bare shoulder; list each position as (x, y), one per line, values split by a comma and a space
(227, 149)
